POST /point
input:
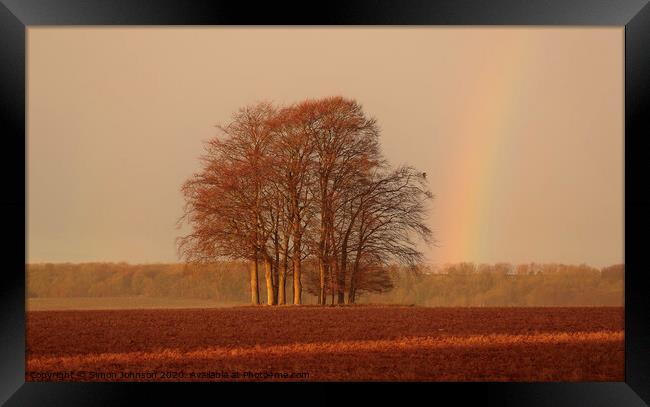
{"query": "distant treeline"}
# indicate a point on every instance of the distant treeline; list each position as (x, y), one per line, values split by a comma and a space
(463, 284)
(506, 285)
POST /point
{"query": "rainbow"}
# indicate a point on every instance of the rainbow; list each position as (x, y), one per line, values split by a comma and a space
(493, 103)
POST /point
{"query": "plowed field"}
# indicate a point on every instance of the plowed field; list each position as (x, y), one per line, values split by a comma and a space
(330, 343)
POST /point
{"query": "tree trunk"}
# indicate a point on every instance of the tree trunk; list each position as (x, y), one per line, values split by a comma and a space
(255, 291)
(353, 284)
(297, 284)
(340, 286)
(333, 277)
(282, 297)
(282, 285)
(268, 273)
(322, 246)
(276, 270)
(353, 277)
(322, 300)
(297, 265)
(344, 258)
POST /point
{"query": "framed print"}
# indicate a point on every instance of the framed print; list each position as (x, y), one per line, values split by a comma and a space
(451, 194)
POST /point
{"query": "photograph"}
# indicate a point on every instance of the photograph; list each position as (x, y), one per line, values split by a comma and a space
(300, 204)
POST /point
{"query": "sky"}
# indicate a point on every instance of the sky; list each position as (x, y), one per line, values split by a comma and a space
(520, 130)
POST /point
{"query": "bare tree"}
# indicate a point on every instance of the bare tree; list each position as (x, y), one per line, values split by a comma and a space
(294, 164)
(226, 202)
(345, 142)
(391, 220)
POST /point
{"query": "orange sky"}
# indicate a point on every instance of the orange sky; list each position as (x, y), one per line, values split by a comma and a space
(520, 130)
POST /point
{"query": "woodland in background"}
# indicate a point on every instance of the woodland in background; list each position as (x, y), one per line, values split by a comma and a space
(290, 187)
(463, 284)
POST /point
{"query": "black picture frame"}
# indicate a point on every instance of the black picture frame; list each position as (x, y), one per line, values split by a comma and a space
(17, 15)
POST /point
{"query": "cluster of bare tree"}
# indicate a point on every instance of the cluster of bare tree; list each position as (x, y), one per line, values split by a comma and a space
(283, 187)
